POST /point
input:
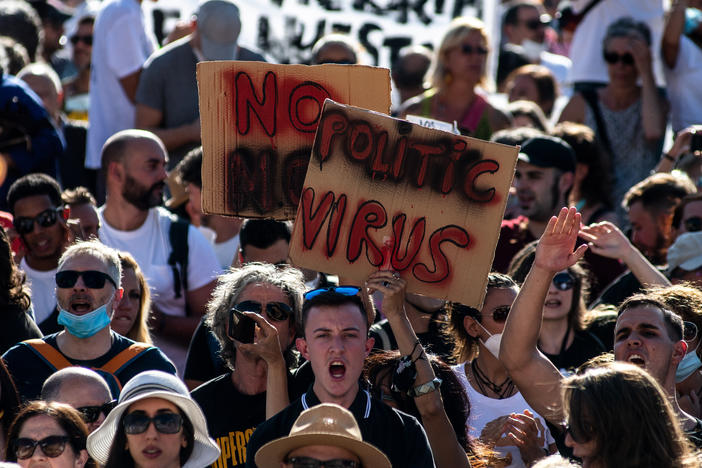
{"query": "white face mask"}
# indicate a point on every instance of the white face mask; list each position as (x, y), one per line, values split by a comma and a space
(533, 49)
(492, 344)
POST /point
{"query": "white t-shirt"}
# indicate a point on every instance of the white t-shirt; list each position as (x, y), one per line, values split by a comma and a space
(558, 65)
(150, 246)
(484, 409)
(121, 45)
(43, 290)
(586, 48)
(226, 251)
(684, 90)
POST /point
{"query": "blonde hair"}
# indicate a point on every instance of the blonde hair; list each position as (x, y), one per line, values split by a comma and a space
(140, 328)
(458, 30)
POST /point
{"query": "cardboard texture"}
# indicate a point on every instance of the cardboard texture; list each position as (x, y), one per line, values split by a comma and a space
(385, 193)
(258, 122)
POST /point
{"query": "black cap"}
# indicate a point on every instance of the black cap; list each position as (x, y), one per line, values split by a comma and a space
(547, 151)
(52, 10)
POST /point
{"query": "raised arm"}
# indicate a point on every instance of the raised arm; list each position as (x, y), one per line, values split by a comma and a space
(536, 377)
(654, 107)
(674, 27)
(607, 240)
(448, 453)
(267, 346)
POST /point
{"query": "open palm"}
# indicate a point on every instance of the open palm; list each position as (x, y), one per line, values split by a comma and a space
(555, 249)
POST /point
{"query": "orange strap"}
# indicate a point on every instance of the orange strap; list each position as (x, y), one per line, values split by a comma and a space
(124, 356)
(49, 353)
(59, 361)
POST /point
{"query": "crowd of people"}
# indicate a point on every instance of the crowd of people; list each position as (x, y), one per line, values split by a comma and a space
(138, 330)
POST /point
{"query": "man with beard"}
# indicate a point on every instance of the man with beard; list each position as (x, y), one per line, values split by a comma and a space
(88, 290)
(543, 178)
(134, 162)
(650, 205)
(35, 202)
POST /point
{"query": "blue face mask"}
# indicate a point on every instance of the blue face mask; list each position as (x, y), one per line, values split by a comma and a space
(85, 326)
(689, 364)
(693, 17)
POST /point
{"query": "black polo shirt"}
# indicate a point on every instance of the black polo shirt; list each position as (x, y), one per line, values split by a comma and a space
(396, 434)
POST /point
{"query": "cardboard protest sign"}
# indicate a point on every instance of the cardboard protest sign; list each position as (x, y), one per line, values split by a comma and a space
(385, 193)
(258, 123)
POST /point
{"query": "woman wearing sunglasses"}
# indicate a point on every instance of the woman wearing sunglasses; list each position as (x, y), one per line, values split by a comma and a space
(499, 415)
(155, 424)
(48, 434)
(457, 74)
(629, 119)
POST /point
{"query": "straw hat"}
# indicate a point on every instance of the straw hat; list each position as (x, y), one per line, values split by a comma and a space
(156, 384)
(324, 424)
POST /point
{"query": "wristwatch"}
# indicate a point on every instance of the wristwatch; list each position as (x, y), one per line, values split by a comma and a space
(425, 388)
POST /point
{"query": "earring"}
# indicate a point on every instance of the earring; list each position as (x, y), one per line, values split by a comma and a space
(448, 78)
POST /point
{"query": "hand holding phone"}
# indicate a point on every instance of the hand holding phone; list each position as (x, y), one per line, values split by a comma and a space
(241, 327)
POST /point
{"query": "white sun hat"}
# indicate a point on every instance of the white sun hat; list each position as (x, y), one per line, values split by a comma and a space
(156, 384)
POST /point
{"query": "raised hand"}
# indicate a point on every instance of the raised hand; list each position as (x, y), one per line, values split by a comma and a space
(393, 288)
(554, 251)
(266, 344)
(607, 240)
(642, 55)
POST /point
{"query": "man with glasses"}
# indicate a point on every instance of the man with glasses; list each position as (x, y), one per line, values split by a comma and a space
(524, 27)
(258, 356)
(77, 88)
(82, 389)
(335, 341)
(35, 202)
(88, 290)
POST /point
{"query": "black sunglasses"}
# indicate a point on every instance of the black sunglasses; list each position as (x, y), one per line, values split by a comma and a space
(343, 290)
(91, 414)
(535, 24)
(693, 224)
(91, 278)
(563, 281)
(576, 436)
(52, 446)
(613, 57)
(307, 462)
(278, 311)
(87, 39)
(46, 218)
(499, 314)
(165, 423)
(467, 49)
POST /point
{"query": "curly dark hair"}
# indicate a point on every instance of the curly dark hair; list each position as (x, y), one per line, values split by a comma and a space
(13, 290)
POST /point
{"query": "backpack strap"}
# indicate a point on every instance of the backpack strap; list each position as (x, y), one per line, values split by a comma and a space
(50, 355)
(124, 357)
(178, 259)
(592, 101)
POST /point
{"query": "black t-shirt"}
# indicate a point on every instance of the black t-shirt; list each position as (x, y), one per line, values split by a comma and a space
(29, 370)
(231, 417)
(17, 326)
(396, 434)
(203, 362)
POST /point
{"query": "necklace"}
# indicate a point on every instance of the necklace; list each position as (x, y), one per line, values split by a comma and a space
(502, 390)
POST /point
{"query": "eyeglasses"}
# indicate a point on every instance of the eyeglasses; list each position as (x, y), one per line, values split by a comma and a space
(52, 446)
(46, 218)
(91, 414)
(307, 462)
(613, 57)
(343, 290)
(575, 435)
(278, 311)
(499, 314)
(563, 281)
(91, 278)
(693, 224)
(87, 39)
(165, 423)
(467, 49)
